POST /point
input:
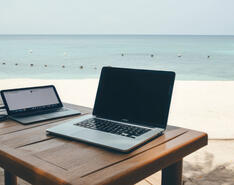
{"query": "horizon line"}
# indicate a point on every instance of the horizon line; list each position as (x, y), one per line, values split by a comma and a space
(108, 34)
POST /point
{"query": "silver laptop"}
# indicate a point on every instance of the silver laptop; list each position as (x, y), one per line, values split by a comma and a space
(131, 107)
(34, 104)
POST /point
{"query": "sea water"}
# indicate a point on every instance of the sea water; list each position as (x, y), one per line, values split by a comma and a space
(82, 56)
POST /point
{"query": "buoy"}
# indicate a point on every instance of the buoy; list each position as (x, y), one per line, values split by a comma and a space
(31, 65)
(81, 67)
(95, 68)
(152, 55)
(3, 63)
(208, 56)
(16, 64)
(45, 65)
(122, 54)
(63, 66)
(179, 55)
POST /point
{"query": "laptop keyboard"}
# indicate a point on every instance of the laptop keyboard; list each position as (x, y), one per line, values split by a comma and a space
(112, 127)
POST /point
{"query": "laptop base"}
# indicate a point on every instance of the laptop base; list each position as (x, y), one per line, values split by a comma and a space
(99, 138)
(25, 120)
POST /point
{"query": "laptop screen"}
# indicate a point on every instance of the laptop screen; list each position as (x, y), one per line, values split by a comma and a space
(31, 99)
(134, 96)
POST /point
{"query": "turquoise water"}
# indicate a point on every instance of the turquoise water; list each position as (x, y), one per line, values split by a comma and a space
(82, 56)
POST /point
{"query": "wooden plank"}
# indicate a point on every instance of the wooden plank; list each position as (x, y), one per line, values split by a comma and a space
(30, 168)
(145, 164)
(25, 137)
(37, 148)
(28, 136)
(69, 155)
(40, 159)
(97, 156)
(23, 164)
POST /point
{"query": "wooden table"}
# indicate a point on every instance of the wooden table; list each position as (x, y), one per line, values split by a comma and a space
(27, 152)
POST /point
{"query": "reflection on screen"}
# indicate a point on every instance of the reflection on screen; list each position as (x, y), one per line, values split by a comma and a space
(134, 96)
(23, 99)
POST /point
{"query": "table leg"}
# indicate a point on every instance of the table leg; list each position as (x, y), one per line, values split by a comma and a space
(10, 179)
(172, 175)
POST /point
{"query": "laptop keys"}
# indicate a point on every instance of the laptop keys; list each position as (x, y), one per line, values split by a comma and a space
(113, 127)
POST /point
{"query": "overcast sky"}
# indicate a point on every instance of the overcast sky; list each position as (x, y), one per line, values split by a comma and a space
(117, 17)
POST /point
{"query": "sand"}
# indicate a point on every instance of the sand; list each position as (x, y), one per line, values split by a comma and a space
(211, 165)
(201, 105)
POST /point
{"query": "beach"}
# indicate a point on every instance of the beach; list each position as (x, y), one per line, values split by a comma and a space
(200, 105)
(68, 44)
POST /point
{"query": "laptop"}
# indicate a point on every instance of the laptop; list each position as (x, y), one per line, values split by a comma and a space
(34, 104)
(131, 107)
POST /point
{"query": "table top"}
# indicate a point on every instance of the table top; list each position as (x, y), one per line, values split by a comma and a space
(38, 158)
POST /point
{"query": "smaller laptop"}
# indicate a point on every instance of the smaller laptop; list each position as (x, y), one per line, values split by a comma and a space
(34, 104)
(131, 107)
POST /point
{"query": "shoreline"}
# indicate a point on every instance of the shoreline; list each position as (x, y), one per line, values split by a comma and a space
(200, 105)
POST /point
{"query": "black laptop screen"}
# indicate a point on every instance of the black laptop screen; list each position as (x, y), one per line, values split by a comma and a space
(31, 99)
(139, 96)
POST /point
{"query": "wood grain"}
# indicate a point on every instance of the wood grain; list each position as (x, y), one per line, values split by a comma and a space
(149, 162)
(29, 153)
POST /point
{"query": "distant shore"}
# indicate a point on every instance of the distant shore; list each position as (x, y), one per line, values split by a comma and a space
(201, 105)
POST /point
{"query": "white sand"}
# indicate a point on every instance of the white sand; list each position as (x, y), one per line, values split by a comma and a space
(201, 105)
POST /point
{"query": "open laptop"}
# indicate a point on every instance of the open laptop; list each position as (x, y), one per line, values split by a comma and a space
(34, 104)
(131, 107)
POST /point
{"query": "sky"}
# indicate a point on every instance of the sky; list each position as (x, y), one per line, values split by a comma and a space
(198, 17)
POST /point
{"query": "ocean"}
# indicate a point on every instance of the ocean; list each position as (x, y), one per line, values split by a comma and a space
(192, 57)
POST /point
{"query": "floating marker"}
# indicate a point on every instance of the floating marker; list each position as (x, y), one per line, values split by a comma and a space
(179, 55)
(95, 68)
(152, 55)
(122, 54)
(3, 63)
(45, 65)
(31, 65)
(16, 64)
(63, 66)
(208, 56)
(81, 67)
